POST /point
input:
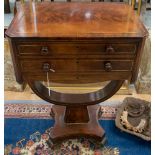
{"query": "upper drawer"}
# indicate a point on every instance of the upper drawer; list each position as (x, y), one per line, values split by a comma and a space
(75, 48)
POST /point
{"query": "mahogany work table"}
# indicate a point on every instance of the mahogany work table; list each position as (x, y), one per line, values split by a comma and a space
(73, 43)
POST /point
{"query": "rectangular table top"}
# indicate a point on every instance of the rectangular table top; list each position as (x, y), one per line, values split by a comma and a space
(76, 19)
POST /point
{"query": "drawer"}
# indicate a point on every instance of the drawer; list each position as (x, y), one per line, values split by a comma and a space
(75, 65)
(75, 48)
(104, 65)
(42, 65)
(59, 49)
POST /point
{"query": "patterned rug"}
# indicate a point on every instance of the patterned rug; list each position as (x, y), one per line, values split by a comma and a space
(42, 110)
(26, 133)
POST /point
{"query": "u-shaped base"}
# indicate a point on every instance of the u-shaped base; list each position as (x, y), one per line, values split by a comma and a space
(78, 115)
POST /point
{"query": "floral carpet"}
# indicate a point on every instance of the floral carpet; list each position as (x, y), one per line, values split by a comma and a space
(27, 126)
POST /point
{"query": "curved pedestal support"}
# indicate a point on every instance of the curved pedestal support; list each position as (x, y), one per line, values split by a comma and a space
(63, 130)
(77, 115)
(66, 99)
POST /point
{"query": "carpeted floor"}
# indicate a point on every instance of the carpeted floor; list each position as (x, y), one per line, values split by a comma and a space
(27, 135)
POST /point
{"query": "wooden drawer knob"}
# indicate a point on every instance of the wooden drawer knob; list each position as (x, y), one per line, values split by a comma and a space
(46, 67)
(108, 66)
(44, 50)
(110, 49)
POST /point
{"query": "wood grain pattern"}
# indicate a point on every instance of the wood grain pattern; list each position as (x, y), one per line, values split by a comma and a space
(37, 48)
(82, 43)
(66, 99)
(76, 20)
(79, 78)
(62, 130)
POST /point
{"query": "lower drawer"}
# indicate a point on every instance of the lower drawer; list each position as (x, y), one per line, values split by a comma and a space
(104, 65)
(75, 65)
(58, 65)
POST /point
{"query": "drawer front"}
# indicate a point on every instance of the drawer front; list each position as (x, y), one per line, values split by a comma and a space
(52, 49)
(42, 65)
(105, 65)
(77, 65)
(120, 48)
(58, 49)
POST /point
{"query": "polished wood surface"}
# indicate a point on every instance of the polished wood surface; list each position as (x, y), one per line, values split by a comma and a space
(68, 99)
(62, 130)
(75, 60)
(76, 43)
(57, 49)
(76, 20)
